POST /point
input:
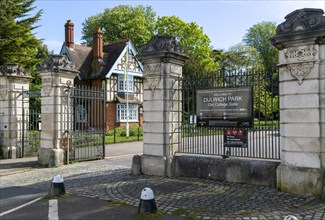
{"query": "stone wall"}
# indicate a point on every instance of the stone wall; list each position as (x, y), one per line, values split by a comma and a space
(257, 172)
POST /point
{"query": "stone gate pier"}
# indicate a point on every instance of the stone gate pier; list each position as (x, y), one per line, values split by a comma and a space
(57, 73)
(163, 60)
(301, 44)
(14, 83)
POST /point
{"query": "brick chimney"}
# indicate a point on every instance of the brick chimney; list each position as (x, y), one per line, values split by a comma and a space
(69, 35)
(98, 44)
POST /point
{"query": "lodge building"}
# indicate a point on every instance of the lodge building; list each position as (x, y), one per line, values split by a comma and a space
(114, 67)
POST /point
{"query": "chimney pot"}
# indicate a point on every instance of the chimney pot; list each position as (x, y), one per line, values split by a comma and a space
(98, 44)
(69, 34)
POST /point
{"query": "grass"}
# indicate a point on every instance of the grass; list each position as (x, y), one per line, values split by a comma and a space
(180, 211)
(118, 139)
(183, 212)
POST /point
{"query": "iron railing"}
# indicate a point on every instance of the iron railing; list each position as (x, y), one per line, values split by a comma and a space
(85, 123)
(263, 136)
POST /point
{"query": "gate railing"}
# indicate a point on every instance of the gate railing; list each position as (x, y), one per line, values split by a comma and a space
(86, 123)
(263, 137)
(29, 134)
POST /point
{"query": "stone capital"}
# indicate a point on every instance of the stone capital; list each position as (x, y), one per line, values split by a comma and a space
(162, 48)
(300, 25)
(15, 71)
(57, 63)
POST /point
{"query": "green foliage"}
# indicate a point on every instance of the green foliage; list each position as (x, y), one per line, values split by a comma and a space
(86, 140)
(139, 24)
(240, 57)
(17, 42)
(121, 131)
(266, 105)
(122, 22)
(195, 42)
(118, 139)
(258, 37)
(120, 135)
(34, 138)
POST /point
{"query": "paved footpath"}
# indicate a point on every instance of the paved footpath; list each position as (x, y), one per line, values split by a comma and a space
(206, 199)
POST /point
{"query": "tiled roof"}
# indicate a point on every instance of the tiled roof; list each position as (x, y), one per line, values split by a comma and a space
(111, 54)
(82, 57)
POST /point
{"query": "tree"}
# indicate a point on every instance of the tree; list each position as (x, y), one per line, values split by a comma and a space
(258, 37)
(240, 57)
(17, 42)
(42, 54)
(195, 42)
(121, 22)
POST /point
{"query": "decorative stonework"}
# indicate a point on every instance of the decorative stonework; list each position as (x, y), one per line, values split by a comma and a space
(13, 69)
(300, 70)
(152, 82)
(161, 43)
(56, 63)
(302, 20)
(3, 87)
(175, 87)
(300, 53)
(152, 68)
(47, 85)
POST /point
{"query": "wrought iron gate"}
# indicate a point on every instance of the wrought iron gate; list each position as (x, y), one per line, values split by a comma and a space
(86, 123)
(30, 132)
(263, 137)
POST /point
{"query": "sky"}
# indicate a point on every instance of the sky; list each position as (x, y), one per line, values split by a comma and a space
(225, 22)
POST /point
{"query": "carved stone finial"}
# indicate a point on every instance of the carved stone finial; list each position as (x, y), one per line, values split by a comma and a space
(56, 63)
(13, 69)
(302, 20)
(302, 24)
(161, 43)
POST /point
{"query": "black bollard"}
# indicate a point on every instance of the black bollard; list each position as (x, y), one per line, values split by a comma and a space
(147, 202)
(57, 186)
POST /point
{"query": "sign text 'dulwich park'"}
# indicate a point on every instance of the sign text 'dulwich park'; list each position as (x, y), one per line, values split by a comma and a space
(227, 107)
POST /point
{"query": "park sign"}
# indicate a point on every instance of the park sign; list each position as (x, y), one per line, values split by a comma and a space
(226, 107)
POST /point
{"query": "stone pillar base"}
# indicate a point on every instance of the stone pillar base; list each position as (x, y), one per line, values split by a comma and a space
(50, 157)
(300, 180)
(9, 152)
(153, 165)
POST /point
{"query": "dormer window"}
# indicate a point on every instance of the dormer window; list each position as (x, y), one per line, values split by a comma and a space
(125, 85)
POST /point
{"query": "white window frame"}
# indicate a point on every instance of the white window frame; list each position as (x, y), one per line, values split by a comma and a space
(121, 115)
(121, 85)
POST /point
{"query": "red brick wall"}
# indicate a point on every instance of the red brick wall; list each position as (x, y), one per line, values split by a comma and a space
(96, 83)
(110, 115)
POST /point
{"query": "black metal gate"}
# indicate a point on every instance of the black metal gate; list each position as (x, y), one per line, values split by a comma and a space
(263, 137)
(86, 123)
(30, 132)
